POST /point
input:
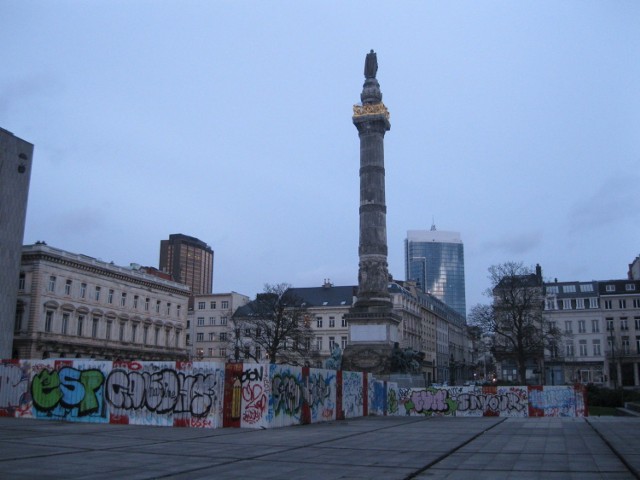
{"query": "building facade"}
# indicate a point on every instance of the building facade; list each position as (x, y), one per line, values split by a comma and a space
(574, 309)
(189, 261)
(435, 260)
(15, 173)
(74, 306)
(209, 321)
(620, 305)
(600, 325)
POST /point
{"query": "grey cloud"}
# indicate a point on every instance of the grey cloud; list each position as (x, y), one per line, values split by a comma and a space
(615, 201)
(516, 244)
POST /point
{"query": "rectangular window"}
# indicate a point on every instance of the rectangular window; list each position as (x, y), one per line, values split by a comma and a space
(80, 325)
(200, 321)
(212, 320)
(178, 310)
(223, 336)
(110, 299)
(166, 336)
(200, 337)
(83, 290)
(202, 305)
(568, 326)
(626, 350)
(145, 334)
(158, 302)
(550, 304)
(212, 305)
(318, 322)
(586, 287)
(582, 326)
(134, 331)
(147, 301)
(168, 308)
(223, 320)
(343, 342)
(569, 349)
(94, 328)
(48, 321)
(344, 322)
(583, 348)
(552, 289)
(596, 348)
(109, 323)
(609, 324)
(178, 338)
(569, 289)
(630, 287)
(332, 322)
(67, 287)
(258, 353)
(332, 343)
(210, 352)
(212, 336)
(224, 304)
(223, 352)
(610, 288)
(622, 303)
(624, 324)
(123, 299)
(636, 303)
(52, 283)
(318, 343)
(156, 336)
(65, 324)
(608, 304)
(593, 303)
(595, 326)
(97, 294)
(18, 323)
(246, 351)
(637, 322)
(566, 304)
(579, 303)
(135, 301)
(21, 281)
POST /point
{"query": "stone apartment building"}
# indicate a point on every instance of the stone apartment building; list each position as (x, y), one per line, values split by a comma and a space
(600, 323)
(208, 325)
(75, 306)
(574, 309)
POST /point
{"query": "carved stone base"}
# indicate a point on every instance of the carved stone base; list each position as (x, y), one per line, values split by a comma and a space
(363, 357)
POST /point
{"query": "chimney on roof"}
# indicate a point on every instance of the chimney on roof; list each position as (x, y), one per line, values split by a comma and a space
(327, 283)
(539, 273)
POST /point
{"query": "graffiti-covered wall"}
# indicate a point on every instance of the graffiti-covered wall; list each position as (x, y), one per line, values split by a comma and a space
(249, 395)
(529, 401)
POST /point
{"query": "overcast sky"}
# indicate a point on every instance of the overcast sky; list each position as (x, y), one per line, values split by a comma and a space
(514, 123)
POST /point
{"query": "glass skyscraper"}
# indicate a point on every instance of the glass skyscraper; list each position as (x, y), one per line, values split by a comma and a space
(436, 261)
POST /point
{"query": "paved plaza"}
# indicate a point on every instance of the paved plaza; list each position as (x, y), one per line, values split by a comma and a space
(371, 447)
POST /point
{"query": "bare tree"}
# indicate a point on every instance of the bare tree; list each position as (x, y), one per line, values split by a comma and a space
(515, 316)
(276, 323)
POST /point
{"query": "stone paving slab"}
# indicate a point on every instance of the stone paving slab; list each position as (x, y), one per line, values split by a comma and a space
(372, 447)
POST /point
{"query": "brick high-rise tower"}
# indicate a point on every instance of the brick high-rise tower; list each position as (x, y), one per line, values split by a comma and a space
(373, 328)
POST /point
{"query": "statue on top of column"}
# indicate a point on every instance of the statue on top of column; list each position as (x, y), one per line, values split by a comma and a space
(371, 65)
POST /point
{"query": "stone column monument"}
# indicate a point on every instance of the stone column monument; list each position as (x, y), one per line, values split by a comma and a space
(373, 328)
